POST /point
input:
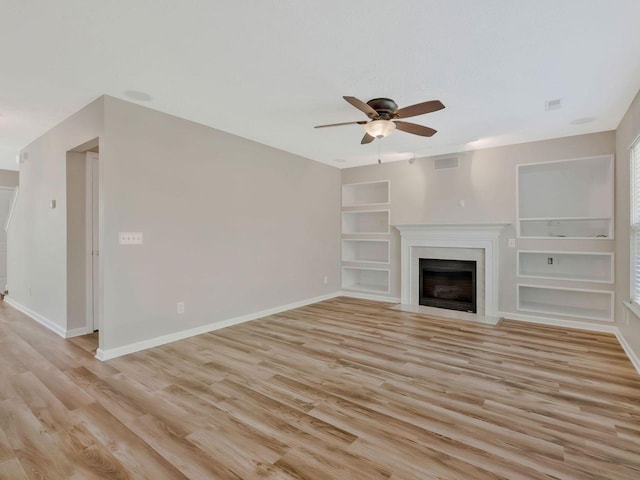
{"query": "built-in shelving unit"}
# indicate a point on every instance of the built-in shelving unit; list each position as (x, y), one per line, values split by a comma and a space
(373, 280)
(568, 302)
(571, 201)
(366, 237)
(574, 266)
(366, 193)
(566, 199)
(367, 221)
(365, 250)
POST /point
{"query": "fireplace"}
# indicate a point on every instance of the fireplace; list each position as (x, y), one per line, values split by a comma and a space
(449, 284)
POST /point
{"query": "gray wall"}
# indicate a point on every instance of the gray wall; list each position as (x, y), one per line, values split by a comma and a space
(230, 226)
(37, 237)
(627, 132)
(486, 181)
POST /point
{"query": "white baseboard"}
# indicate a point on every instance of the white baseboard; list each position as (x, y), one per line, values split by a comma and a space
(110, 353)
(368, 296)
(76, 332)
(558, 322)
(633, 357)
(45, 322)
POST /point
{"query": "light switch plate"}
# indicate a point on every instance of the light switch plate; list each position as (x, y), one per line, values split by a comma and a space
(512, 243)
(130, 238)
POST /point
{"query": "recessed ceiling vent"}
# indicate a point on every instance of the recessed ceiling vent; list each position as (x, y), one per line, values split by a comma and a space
(555, 104)
(445, 163)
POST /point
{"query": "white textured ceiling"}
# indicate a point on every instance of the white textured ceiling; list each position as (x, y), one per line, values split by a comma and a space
(271, 70)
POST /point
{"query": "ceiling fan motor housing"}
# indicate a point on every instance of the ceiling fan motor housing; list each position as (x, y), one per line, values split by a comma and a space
(384, 106)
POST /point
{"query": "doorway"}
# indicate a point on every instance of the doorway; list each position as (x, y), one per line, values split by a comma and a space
(84, 296)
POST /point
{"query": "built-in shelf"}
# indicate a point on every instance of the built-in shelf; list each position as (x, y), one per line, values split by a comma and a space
(365, 193)
(576, 266)
(370, 221)
(566, 199)
(373, 280)
(566, 302)
(365, 250)
(571, 228)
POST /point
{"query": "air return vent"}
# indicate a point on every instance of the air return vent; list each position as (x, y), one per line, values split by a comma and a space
(444, 163)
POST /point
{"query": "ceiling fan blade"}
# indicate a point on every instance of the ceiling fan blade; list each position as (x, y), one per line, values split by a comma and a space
(361, 122)
(367, 139)
(415, 128)
(419, 109)
(360, 105)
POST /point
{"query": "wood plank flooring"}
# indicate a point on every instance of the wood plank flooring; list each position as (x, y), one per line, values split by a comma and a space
(343, 389)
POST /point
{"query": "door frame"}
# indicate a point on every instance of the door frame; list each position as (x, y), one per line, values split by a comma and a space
(93, 290)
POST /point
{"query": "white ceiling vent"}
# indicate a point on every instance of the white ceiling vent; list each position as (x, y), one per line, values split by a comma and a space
(445, 163)
(555, 104)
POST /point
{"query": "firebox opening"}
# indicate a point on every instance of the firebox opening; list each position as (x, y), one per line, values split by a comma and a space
(449, 284)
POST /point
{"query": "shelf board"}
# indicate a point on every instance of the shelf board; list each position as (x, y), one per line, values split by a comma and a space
(575, 312)
(364, 287)
(564, 219)
(574, 278)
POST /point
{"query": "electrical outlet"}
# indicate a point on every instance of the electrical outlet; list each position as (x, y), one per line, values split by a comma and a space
(461, 203)
(180, 308)
(549, 260)
(325, 280)
(130, 238)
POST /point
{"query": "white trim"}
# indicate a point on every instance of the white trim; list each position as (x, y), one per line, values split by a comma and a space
(356, 212)
(388, 182)
(110, 353)
(578, 159)
(360, 289)
(366, 296)
(632, 307)
(76, 332)
(12, 208)
(573, 279)
(558, 322)
(377, 240)
(93, 312)
(566, 289)
(45, 322)
(635, 360)
(482, 236)
(611, 217)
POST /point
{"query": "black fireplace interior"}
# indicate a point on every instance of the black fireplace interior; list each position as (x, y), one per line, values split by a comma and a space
(449, 284)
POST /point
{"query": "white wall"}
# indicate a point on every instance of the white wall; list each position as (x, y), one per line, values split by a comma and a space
(486, 181)
(230, 226)
(37, 238)
(627, 132)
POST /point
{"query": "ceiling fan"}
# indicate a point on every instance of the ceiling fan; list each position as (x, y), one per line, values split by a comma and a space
(383, 114)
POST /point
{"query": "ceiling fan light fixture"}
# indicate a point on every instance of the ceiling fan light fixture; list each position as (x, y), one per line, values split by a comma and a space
(380, 128)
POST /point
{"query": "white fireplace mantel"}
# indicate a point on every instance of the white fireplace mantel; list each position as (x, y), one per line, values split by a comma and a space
(484, 236)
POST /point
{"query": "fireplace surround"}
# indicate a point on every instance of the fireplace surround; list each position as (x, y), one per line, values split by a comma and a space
(482, 240)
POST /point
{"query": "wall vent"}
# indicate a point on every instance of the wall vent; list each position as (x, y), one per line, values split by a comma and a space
(444, 163)
(555, 104)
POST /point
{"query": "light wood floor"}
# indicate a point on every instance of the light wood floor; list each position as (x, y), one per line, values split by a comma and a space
(343, 389)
